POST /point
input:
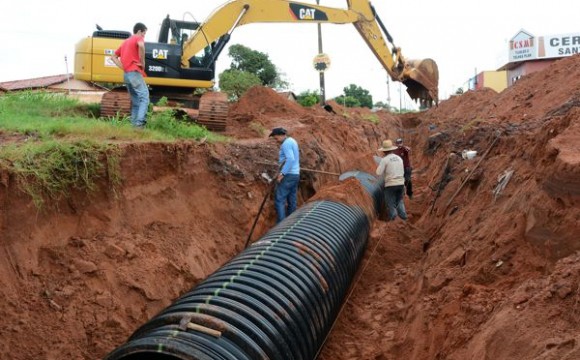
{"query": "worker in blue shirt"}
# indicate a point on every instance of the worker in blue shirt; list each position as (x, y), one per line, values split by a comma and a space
(286, 197)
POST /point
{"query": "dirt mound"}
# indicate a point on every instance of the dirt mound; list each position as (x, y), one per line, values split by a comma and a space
(532, 98)
(468, 105)
(264, 100)
(350, 192)
(253, 115)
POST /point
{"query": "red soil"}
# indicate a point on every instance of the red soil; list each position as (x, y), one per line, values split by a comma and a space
(481, 276)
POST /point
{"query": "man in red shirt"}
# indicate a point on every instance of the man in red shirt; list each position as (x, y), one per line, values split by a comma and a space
(130, 57)
(403, 151)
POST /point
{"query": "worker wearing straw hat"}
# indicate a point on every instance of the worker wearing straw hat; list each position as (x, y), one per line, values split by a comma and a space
(393, 172)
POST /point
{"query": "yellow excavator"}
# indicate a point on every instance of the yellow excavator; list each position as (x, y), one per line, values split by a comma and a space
(185, 55)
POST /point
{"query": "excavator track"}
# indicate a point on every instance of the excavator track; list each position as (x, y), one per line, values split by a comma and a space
(212, 112)
(116, 103)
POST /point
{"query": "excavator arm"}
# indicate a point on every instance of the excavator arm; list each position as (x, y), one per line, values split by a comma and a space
(419, 76)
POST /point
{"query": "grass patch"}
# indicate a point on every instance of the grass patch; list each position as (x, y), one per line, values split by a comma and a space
(372, 118)
(50, 171)
(69, 149)
(470, 125)
(178, 129)
(49, 116)
(258, 128)
(36, 103)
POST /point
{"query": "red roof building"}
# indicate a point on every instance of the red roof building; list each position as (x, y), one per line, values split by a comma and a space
(58, 83)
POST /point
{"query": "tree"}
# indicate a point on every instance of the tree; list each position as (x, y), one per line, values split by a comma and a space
(347, 101)
(386, 106)
(382, 105)
(257, 63)
(308, 98)
(236, 82)
(363, 96)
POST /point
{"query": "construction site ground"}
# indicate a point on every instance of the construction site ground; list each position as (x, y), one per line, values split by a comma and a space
(487, 267)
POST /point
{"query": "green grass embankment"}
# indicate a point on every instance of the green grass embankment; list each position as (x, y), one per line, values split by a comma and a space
(61, 145)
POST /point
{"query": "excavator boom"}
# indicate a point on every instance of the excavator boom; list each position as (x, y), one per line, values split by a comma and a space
(420, 76)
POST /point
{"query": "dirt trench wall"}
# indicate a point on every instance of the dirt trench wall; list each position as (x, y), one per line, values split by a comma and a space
(481, 276)
(87, 271)
(498, 269)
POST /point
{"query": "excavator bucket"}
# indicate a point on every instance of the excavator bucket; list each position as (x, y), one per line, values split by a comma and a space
(421, 77)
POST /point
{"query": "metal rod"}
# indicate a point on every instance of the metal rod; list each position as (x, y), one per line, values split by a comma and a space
(244, 11)
(270, 188)
(303, 169)
(320, 172)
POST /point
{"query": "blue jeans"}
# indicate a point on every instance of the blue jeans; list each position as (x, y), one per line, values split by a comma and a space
(139, 97)
(286, 191)
(394, 201)
(408, 183)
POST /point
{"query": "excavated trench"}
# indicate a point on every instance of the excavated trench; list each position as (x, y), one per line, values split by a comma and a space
(477, 272)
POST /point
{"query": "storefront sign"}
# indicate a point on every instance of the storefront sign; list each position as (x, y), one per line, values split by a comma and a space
(559, 45)
(523, 46)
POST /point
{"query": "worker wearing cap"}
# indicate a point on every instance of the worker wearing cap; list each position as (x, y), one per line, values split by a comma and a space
(404, 151)
(286, 197)
(391, 169)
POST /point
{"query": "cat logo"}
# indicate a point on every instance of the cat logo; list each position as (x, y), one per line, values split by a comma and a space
(159, 54)
(307, 14)
(303, 12)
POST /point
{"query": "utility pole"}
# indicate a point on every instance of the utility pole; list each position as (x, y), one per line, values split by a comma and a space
(321, 73)
(389, 93)
(400, 99)
(67, 76)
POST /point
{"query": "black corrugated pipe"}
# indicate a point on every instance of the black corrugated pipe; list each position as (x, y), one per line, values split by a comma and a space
(275, 300)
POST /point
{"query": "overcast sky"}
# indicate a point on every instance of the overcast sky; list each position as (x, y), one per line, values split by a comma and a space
(463, 37)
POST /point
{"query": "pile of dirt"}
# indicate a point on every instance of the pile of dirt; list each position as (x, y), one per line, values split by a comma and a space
(532, 98)
(260, 100)
(252, 115)
(350, 192)
(489, 256)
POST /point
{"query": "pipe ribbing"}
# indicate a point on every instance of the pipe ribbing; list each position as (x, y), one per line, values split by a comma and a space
(275, 300)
